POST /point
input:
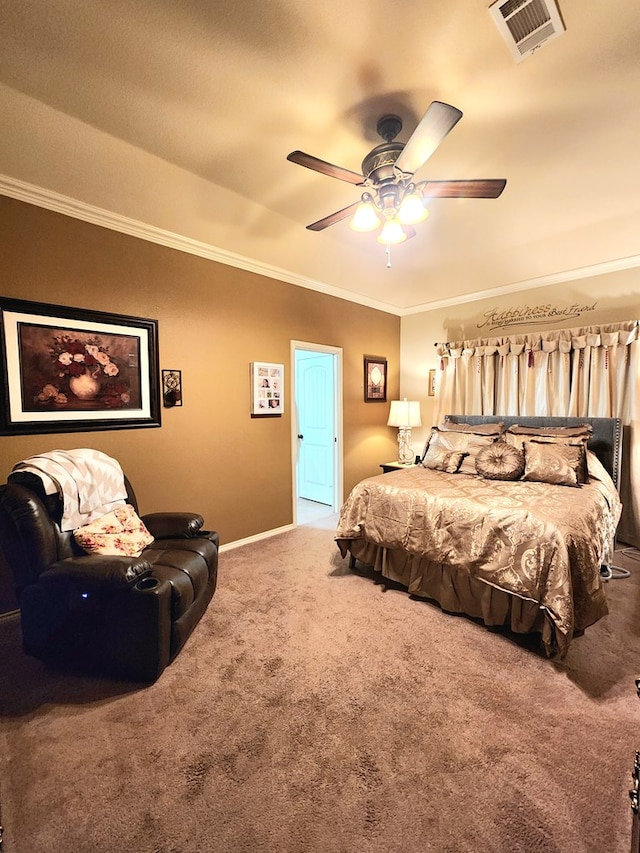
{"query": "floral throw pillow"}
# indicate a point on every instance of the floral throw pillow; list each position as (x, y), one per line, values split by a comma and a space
(120, 533)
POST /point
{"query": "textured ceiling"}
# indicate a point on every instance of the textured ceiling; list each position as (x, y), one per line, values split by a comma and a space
(226, 90)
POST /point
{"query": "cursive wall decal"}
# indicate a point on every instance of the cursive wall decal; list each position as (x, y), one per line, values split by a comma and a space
(527, 314)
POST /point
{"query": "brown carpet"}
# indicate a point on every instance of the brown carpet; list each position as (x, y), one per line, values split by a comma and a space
(314, 712)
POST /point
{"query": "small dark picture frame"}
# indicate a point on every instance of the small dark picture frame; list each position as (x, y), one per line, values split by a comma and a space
(375, 379)
(171, 388)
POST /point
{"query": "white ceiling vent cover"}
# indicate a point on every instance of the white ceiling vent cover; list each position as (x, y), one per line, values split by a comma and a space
(527, 24)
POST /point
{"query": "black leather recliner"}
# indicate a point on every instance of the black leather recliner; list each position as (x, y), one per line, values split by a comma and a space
(127, 617)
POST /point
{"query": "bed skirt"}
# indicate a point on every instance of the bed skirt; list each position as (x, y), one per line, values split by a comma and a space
(456, 591)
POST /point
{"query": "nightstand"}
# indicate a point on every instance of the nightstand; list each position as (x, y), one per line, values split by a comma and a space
(395, 466)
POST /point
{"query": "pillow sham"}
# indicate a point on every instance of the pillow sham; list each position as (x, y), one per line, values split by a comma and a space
(582, 431)
(441, 459)
(500, 461)
(466, 442)
(523, 440)
(556, 464)
(118, 533)
(478, 429)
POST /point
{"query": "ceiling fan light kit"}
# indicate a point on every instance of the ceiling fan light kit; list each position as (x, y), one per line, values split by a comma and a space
(392, 198)
(365, 217)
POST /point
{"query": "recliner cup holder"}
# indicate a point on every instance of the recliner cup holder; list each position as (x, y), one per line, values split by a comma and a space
(147, 583)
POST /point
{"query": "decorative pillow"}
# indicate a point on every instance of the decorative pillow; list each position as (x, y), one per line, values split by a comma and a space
(516, 434)
(467, 443)
(577, 436)
(120, 533)
(557, 464)
(478, 429)
(500, 461)
(440, 459)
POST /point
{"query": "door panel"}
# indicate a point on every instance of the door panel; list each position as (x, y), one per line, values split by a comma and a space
(314, 390)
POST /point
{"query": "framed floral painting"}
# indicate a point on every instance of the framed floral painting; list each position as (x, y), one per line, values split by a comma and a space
(69, 370)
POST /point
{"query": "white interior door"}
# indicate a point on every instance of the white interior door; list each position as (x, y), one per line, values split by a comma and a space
(317, 434)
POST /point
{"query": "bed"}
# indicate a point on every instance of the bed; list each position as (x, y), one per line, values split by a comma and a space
(524, 552)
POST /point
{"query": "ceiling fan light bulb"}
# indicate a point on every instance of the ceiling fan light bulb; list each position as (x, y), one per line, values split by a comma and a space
(392, 233)
(412, 210)
(365, 217)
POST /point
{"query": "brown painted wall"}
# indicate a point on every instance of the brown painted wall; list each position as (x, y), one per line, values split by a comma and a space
(209, 455)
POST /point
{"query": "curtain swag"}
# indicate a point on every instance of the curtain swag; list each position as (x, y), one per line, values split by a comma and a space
(563, 341)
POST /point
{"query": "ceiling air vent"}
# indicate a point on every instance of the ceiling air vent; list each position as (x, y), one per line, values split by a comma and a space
(527, 24)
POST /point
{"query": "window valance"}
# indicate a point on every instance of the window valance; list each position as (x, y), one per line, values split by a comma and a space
(563, 340)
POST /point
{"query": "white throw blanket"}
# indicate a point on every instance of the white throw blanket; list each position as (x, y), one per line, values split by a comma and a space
(89, 482)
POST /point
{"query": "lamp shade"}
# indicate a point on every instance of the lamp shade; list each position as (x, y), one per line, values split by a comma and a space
(404, 413)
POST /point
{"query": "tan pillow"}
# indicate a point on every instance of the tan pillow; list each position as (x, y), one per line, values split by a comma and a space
(467, 443)
(521, 442)
(500, 461)
(440, 459)
(478, 429)
(516, 433)
(553, 463)
(118, 533)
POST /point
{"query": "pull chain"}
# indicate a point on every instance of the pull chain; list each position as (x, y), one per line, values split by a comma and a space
(388, 251)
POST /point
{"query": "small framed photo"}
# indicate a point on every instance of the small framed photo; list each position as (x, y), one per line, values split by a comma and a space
(267, 388)
(375, 379)
(171, 388)
(70, 370)
(431, 388)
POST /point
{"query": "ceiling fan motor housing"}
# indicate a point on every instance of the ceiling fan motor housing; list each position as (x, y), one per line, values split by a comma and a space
(379, 165)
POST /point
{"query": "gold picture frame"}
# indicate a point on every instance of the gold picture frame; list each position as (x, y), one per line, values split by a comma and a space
(431, 386)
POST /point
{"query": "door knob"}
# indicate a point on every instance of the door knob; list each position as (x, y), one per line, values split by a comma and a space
(300, 436)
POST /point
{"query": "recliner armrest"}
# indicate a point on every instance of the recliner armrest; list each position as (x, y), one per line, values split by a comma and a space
(173, 525)
(98, 569)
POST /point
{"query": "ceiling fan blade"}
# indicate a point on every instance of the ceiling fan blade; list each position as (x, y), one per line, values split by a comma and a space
(321, 224)
(479, 188)
(434, 125)
(325, 168)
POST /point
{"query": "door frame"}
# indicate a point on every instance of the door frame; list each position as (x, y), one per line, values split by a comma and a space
(338, 476)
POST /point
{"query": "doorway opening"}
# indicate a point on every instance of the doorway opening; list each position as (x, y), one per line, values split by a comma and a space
(316, 431)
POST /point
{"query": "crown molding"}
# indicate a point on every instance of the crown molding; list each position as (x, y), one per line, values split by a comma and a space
(530, 284)
(50, 200)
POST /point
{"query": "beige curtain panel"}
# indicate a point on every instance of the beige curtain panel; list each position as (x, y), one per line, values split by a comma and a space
(591, 371)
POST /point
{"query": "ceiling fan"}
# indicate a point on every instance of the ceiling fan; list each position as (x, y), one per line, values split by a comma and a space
(392, 198)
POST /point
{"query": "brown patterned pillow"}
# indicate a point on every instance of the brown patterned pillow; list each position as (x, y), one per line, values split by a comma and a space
(500, 461)
(517, 434)
(478, 429)
(554, 463)
(468, 443)
(440, 459)
(583, 475)
(580, 431)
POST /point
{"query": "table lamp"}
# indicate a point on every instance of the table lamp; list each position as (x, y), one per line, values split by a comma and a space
(404, 414)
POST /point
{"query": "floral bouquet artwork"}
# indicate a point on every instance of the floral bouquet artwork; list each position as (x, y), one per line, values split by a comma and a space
(78, 370)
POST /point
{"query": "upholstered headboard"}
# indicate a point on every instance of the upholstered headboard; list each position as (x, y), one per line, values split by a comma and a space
(606, 441)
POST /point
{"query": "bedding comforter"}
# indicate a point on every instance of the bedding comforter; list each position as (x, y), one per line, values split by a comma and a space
(542, 543)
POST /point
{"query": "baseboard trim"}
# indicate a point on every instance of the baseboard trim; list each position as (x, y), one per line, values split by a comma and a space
(257, 538)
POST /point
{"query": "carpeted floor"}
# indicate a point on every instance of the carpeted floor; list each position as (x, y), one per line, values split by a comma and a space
(315, 711)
